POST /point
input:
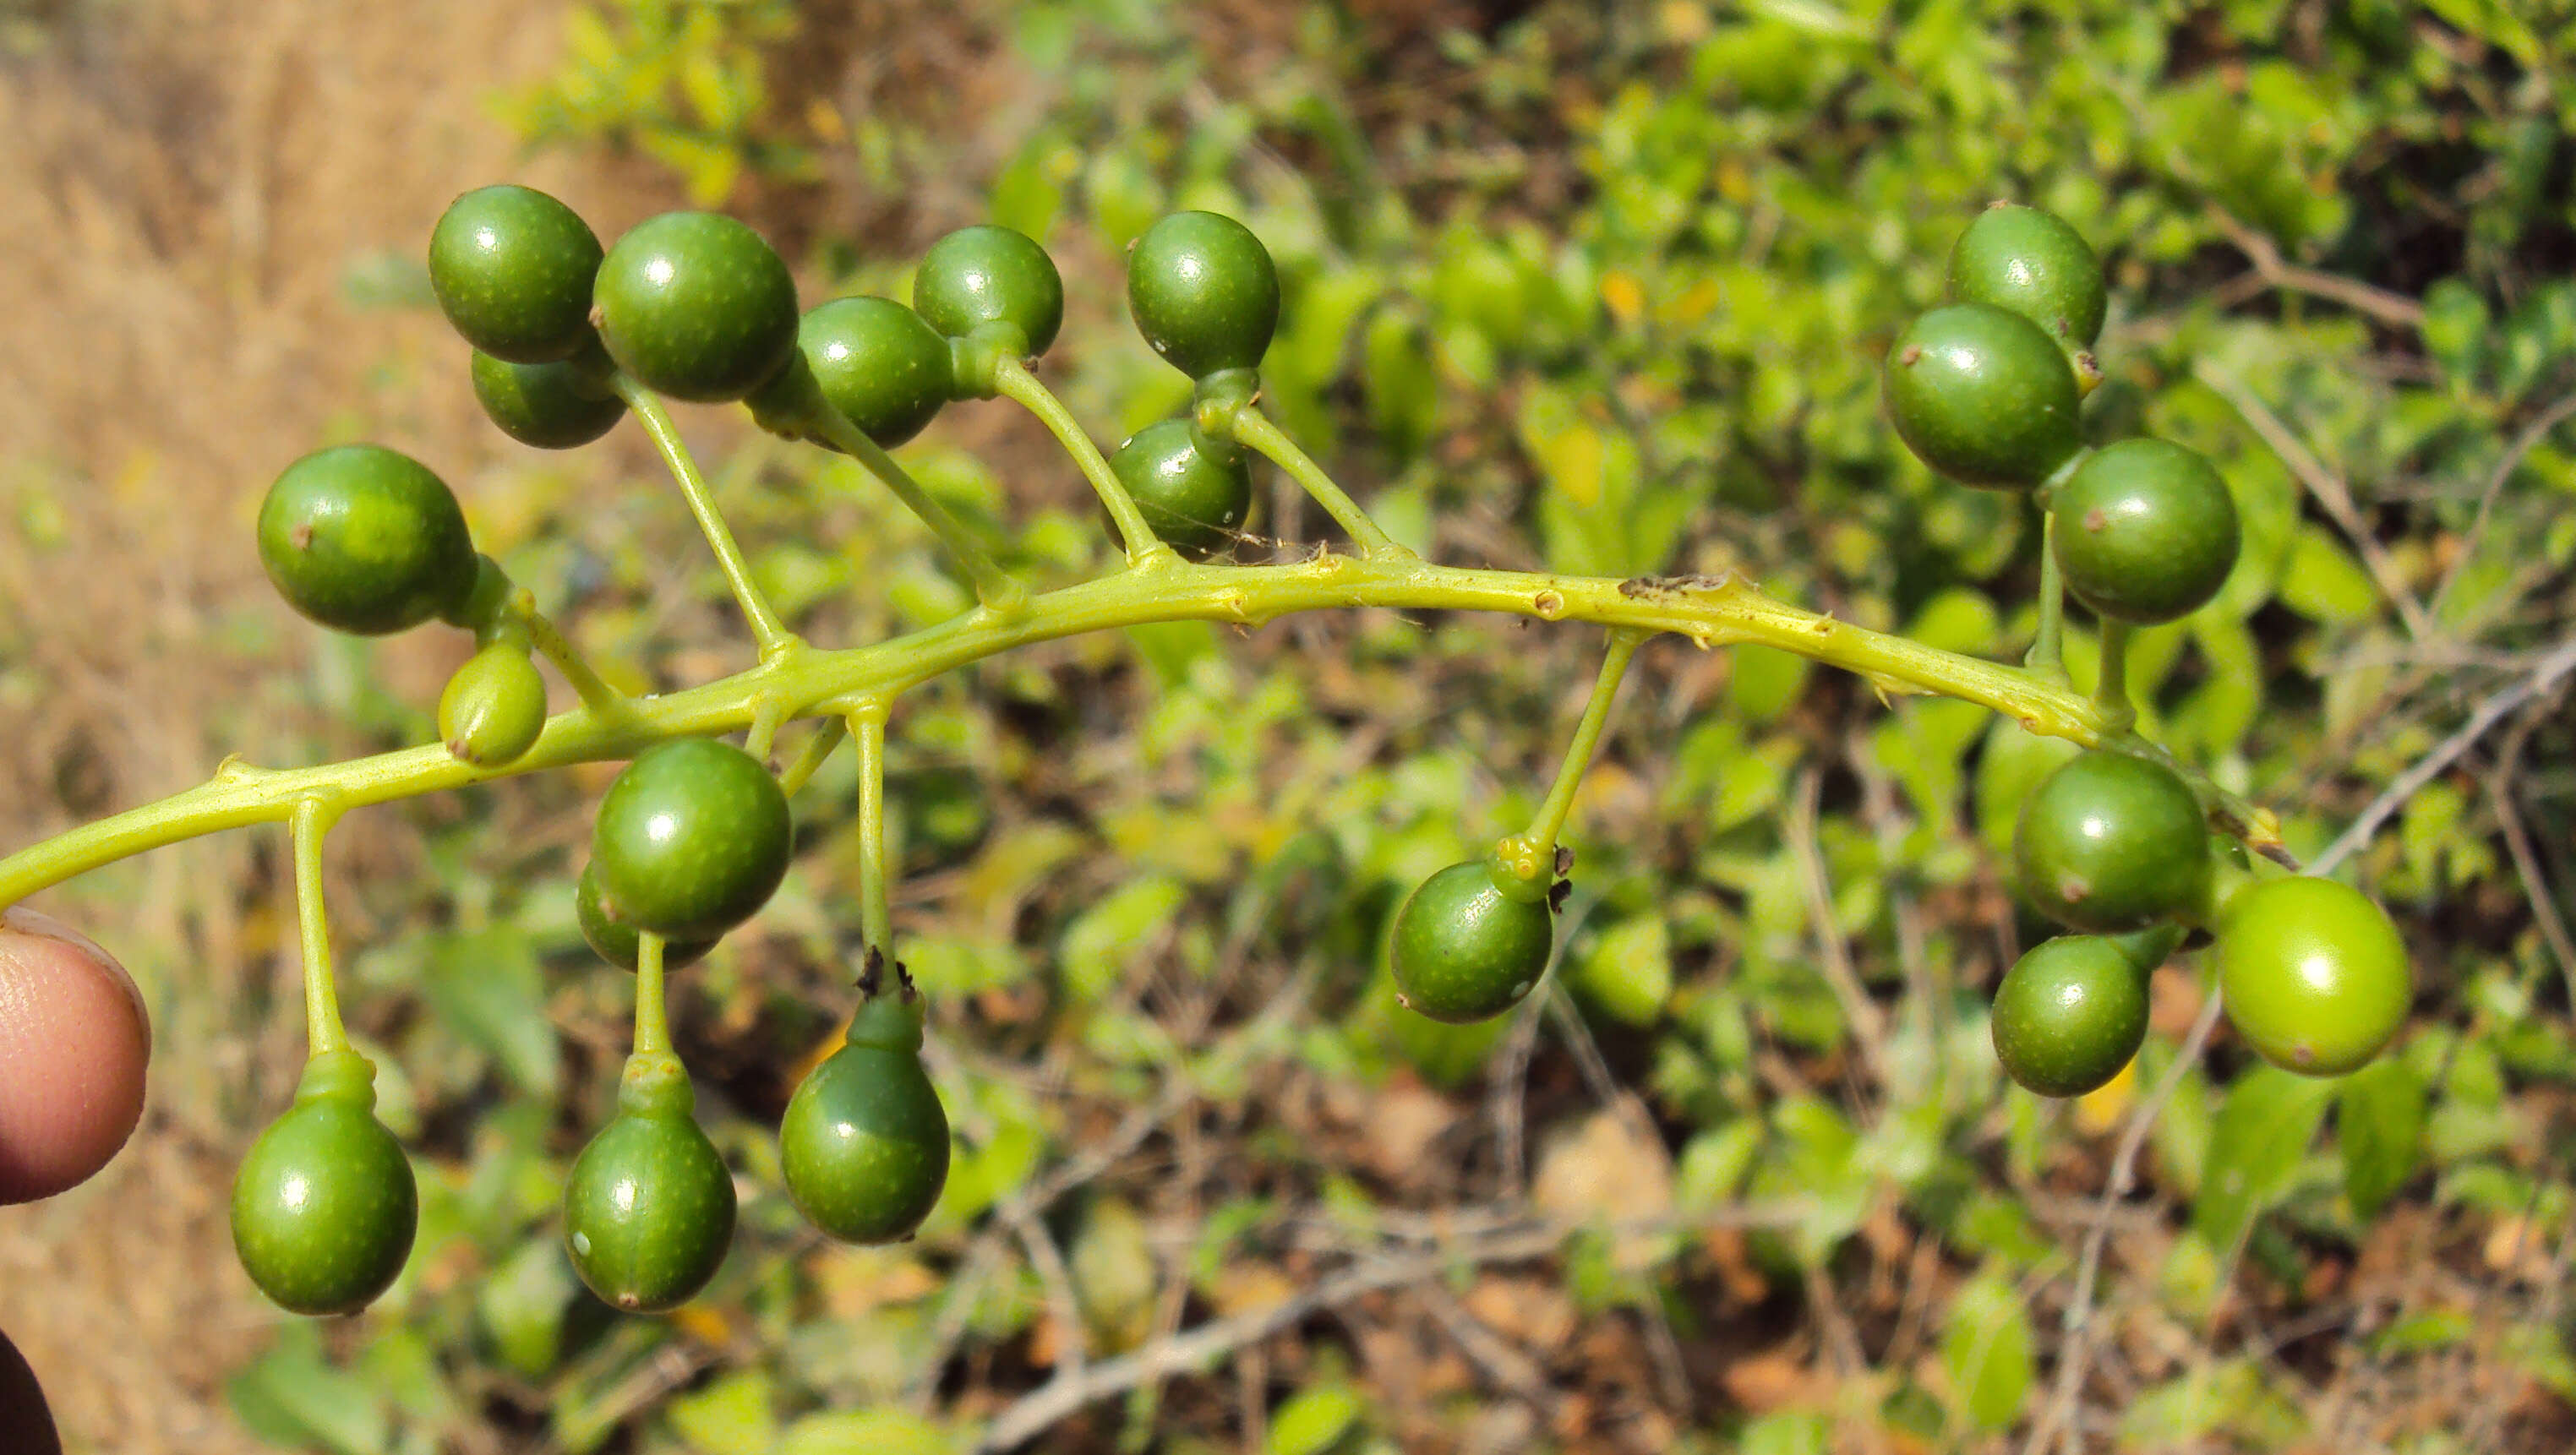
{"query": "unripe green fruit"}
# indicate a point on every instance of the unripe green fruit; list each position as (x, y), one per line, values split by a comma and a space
(494, 707)
(555, 406)
(365, 540)
(2313, 974)
(864, 1144)
(649, 1209)
(512, 268)
(985, 275)
(691, 839)
(2145, 531)
(1204, 292)
(2111, 842)
(620, 945)
(878, 363)
(325, 1205)
(2069, 1014)
(1464, 950)
(1982, 396)
(696, 306)
(2032, 263)
(1193, 499)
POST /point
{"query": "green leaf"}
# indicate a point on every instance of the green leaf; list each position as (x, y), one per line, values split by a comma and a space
(2255, 1150)
(1313, 1421)
(736, 1415)
(1100, 944)
(1628, 971)
(2379, 1125)
(291, 1397)
(2323, 583)
(867, 1432)
(490, 991)
(1987, 1352)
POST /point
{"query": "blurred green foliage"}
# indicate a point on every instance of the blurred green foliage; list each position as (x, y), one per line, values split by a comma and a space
(1600, 289)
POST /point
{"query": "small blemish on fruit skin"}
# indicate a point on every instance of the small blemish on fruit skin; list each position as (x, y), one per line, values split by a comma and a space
(302, 536)
(2095, 520)
(1913, 355)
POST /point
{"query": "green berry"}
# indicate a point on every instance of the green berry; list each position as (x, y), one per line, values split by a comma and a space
(2313, 974)
(986, 275)
(619, 944)
(1982, 396)
(2145, 531)
(1193, 498)
(696, 306)
(555, 406)
(324, 1206)
(512, 268)
(2111, 842)
(691, 840)
(1204, 292)
(879, 364)
(493, 707)
(865, 1141)
(1464, 950)
(2069, 1014)
(2034, 264)
(649, 1209)
(365, 540)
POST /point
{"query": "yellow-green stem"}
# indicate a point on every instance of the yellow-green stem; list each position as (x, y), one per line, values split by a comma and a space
(994, 586)
(568, 660)
(1254, 428)
(876, 915)
(2047, 652)
(323, 1032)
(2111, 693)
(1025, 389)
(647, 407)
(1711, 611)
(652, 1018)
(818, 751)
(1587, 737)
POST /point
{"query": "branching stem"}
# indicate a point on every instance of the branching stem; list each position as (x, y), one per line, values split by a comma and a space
(1024, 388)
(1254, 428)
(810, 681)
(876, 917)
(323, 1032)
(1533, 855)
(647, 406)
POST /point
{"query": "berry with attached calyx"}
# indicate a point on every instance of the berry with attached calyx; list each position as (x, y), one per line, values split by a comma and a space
(1465, 950)
(513, 268)
(2145, 531)
(2069, 1014)
(1204, 292)
(649, 1208)
(691, 840)
(864, 1144)
(365, 540)
(1194, 497)
(984, 275)
(2313, 974)
(494, 707)
(2034, 264)
(696, 306)
(325, 1205)
(1982, 396)
(619, 944)
(2111, 842)
(561, 405)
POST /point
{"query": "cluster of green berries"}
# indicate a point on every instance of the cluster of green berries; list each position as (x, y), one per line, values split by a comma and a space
(2113, 844)
(695, 835)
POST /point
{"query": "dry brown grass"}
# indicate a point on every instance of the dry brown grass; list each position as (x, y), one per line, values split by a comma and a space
(186, 183)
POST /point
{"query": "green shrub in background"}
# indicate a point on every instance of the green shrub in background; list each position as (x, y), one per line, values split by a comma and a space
(1606, 295)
